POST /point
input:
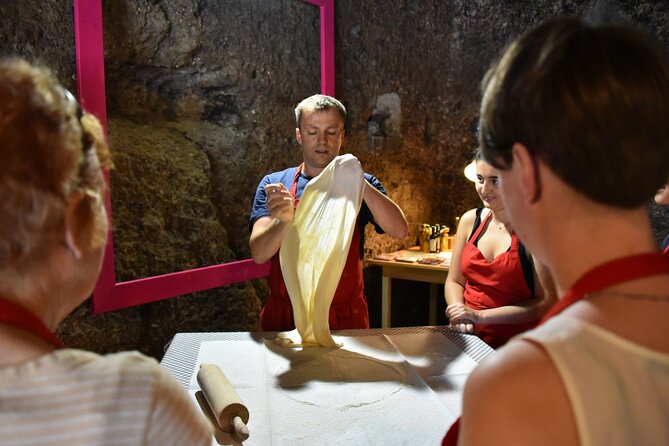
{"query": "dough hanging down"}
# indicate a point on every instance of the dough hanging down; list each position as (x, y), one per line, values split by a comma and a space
(314, 250)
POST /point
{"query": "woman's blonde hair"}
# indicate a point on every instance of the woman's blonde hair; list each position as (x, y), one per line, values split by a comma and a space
(48, 151)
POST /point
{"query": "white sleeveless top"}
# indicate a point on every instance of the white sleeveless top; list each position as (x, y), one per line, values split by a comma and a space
(618, 390)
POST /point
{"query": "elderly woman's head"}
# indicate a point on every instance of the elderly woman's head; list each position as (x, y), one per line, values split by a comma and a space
(51, 185)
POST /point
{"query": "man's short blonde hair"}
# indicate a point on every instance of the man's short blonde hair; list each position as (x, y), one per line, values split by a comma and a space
(319, 102)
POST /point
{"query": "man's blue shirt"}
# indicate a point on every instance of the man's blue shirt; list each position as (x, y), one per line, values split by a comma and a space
(286, 178)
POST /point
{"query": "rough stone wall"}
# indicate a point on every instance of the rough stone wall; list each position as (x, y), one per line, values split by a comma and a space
(200, 97)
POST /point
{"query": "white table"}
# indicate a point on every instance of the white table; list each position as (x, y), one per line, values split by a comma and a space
(383, 386)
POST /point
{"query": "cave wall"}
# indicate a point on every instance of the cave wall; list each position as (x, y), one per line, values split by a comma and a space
(200, 98)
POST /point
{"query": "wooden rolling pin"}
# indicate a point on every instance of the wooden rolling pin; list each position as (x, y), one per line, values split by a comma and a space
(228, 409)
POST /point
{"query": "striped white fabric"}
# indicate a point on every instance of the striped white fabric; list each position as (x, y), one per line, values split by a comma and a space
(73, 397)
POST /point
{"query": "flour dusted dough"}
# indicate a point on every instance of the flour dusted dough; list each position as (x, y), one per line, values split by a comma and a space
(314, 250)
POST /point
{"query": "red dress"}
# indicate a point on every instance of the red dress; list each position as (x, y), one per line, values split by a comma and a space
(494, 284)
(349, 305)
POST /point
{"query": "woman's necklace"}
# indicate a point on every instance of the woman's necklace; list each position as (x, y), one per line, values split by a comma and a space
(609, 274)
(501, 224)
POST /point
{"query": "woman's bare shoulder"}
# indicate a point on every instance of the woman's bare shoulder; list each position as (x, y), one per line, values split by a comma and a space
(467, 220)
(516, 397)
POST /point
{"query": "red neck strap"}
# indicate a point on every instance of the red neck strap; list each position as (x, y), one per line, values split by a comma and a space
(293, 187)
(17, 316)
(612, 273)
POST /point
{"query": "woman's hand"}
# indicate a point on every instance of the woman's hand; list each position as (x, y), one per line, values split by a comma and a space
(463, 326)
(462, 318)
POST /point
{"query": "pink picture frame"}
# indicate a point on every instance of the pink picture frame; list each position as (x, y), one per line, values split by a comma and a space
(112, 295)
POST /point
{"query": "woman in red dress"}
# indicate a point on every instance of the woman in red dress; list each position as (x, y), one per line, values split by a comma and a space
(492, 288)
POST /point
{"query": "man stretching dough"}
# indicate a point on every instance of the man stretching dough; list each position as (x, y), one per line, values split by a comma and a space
(320, 133)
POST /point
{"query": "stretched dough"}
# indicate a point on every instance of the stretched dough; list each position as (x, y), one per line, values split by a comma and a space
(314, 250)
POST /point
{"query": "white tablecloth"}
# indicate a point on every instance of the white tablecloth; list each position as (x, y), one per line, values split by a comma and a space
(382, 387)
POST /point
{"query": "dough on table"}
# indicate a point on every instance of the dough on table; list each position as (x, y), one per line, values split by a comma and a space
(314, 250)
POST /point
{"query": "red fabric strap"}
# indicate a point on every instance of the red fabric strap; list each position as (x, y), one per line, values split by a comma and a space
(293, 186)
(17, 316)
(478, 231)
(451, 438)
(612, 273)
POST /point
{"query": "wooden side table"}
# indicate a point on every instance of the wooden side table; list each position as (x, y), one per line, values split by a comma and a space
(435, 275)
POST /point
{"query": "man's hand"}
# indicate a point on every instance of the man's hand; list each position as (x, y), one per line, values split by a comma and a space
(268, 231)
(280, 203)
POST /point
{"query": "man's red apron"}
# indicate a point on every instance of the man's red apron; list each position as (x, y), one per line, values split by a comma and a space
(349, 305)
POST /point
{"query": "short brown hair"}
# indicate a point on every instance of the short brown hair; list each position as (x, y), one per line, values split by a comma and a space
(592, 102)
